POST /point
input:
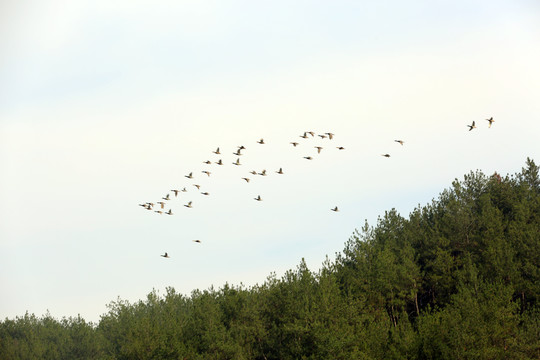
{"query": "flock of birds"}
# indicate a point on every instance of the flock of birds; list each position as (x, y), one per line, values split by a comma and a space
(159, 206)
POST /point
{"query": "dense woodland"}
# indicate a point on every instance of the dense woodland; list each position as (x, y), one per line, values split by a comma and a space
(458, 279)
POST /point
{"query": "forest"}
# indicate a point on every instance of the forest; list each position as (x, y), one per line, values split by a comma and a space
(459, 278)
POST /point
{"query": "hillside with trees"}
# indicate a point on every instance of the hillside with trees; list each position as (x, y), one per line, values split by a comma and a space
(458, 278)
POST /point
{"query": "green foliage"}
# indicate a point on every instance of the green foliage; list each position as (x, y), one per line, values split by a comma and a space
(458, 279)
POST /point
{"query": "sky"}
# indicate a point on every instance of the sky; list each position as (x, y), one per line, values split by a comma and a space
(105, 105)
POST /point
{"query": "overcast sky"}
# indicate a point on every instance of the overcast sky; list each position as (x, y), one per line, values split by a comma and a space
(105, 105)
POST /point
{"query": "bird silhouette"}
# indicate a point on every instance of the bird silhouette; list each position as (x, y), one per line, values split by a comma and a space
(311, 133)
(188, 205)
(304, 136)
(335, 209)
(263, 173)
(330, 135)
(340, 148)
(207, 162)
(206, 172)
(161, 203)
(216, 152)
(491, 121)
(205, 193)
(165, 255)
(237, 162)
(159, 212)
(253, 172)
(237, 153)
(247, 179)
(386, 155)
(169, 212)
(261, 141)
(308, 157)
(184, 190)
(197, 186)
(258, 198)
(295, 144)
(401, 142)
(319, 148)
(166, 197)
(190, 176)
(219, 162)
(473, 126)
(280, 171)
(197, 241)
(322, 136)
(175, 192)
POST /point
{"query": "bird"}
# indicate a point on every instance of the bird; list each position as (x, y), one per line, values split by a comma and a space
(219, 162)
(206, 172)
(491, 121)
(150, 204)
(166, 197)
(340, 148)
(247, 179)
(190, 176)
(294, 144)
(241, 147)
(237, 153)
(308, 157)
(169, 212)
(473, 126)
(237, 162)
(207, 162)
(400, 141)
(322, 136)
(143, 205)
(197, 186)
(319, 148)
(330, 135)
(205, 193)
(311, 133)
(165, 255)
(197, 241)
(184, 190)
(161, 203)
(175, 192)
(386, 155)
(263, 173)
(216, 152)
(253, 172)
(188, 205)
(280, 171)
(335, 209)
(304, 136)
(159, 212)
(258, 198)
(261, 141)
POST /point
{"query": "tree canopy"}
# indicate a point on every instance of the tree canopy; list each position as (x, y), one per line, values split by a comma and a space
(458, 278)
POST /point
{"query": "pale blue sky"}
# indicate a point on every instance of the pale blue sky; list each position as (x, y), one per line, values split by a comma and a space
(104, 105)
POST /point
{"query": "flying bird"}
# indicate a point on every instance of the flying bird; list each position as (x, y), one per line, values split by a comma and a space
(311, 133)
(219, 162)
(322, 136)
(166, 197)
(330, 135)
(190, 176)
(205, 193)
(335, 209)
(386, 155)
(207, 162)
(258, 198)
(400, 141)
(340, 148)
(216, 152)
(184, 190)
(247, 179)
(263, 173)
(308, 157)
(165, 255)
(241, 147)
(175, 192)
(304, 136)
(294, 144)
(159, 212)
(319, 148)
(491, 121)
(253, 172)
(280, 171)
(161, 203)
(261, 141)
(473, 126)
(197, 186)
(197, 241)
(237, 153)
(237, 162)
(206, 172)
(188, 205)
(169, 212)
